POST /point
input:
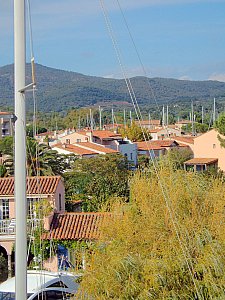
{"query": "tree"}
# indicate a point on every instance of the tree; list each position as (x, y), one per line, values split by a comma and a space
(167, 243)
(6, 145)
(135, 133)
(95, 180)
(220, 124)
(45, 161)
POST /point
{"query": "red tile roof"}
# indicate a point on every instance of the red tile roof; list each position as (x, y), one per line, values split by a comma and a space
(45, 185)
(185, 139)
(155, 145)
(75, 149)
(95, 147)
(105, 134)
(201, 161)
(5, 113)
(76, 226)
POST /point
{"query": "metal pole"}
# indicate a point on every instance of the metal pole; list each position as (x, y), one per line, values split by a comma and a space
(202, 114)
(100, 118)
(214, 110)
(124, 117)
(20, 151)
(112, 118)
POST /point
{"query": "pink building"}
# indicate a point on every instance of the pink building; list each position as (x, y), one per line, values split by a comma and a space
(50, 188)
(207, 145)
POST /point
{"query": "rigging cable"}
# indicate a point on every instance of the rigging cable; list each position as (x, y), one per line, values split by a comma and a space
(146, 138)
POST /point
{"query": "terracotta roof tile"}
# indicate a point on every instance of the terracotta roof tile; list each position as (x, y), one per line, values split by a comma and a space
(201, 161)
(95, 147)
(185, 139)
(155, 145)
(74, 149)
(76, 226)
(105, 134)
(45, 185)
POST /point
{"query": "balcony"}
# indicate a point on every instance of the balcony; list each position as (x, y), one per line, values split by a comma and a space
(8, 227)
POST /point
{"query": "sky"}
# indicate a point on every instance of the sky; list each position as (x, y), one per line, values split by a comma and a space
(183, 39)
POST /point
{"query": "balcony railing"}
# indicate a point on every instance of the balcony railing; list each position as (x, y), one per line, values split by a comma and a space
(8, 227)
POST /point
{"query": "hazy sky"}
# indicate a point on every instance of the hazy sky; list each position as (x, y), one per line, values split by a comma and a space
(175, 38)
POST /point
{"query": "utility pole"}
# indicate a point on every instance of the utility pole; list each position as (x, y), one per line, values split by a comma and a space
(124, 117)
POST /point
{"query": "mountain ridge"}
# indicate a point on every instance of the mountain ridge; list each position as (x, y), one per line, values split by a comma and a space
(60, 90)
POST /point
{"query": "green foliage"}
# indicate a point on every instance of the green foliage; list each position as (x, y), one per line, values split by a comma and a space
(135, 133)
(167, 243)
(45, 161)
(177, 157)
(3, 268)
(198, 128)
(220, 124)
(96, 180)
(6, 145)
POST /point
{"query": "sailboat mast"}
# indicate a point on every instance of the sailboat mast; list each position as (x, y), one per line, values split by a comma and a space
(20, 151)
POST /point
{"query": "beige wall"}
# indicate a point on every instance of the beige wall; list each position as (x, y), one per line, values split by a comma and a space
(73, 137)
(208, 146)
(60, 190)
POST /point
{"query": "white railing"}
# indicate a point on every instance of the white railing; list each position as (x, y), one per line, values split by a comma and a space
(8, 227)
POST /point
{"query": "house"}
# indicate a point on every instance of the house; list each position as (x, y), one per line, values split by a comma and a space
(98, 142)
(79, 226)
(6, 124)
(164, 133)
(157, 148)
(83, 149)
(50, 188)
(208, 146)
(201, 164)
(182, 123)
(186, 140)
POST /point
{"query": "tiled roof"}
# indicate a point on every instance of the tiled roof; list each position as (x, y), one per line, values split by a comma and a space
(45, 185)
(155, 145)
(105, 134)
(185, 139)
(75, 149)
(5, 113)
(76, 226)
(201, 161)
(95, 147)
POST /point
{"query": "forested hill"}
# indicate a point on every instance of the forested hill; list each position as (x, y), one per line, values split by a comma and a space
(59, 90)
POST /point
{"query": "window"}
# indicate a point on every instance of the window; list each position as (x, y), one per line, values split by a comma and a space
(214, 146)
(67, 141)
(78, 140)
(4, 209)
(131, 156)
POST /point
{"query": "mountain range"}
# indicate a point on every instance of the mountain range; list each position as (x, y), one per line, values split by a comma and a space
(59, 90)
